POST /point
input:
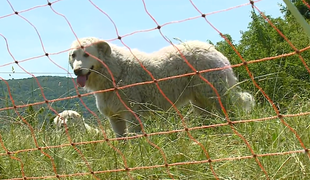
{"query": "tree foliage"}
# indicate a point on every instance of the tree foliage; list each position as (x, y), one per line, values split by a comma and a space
(281, 78)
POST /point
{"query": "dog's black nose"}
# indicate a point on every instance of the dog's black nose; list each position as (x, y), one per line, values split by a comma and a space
(78, 71)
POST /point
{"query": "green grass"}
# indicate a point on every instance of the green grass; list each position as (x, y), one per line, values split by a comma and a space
(220, 142)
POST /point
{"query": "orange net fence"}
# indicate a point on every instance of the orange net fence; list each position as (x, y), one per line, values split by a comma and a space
(87, 166)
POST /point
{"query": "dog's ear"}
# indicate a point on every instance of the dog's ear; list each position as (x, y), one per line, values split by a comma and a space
(70, 63)
(104, 47)
(70, 59)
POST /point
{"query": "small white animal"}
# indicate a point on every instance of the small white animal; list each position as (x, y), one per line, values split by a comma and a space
(72, 118)
(93, 60)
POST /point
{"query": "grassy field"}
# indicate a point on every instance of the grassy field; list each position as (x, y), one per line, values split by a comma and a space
(232, 157)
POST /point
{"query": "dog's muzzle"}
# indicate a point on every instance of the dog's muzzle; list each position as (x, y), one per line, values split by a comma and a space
(78, 72)
(82, 78)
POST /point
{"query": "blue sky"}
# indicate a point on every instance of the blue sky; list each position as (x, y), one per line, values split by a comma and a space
(128, 15)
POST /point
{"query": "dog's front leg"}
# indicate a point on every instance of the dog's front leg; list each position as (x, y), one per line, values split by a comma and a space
(118, 125)
(134, 126)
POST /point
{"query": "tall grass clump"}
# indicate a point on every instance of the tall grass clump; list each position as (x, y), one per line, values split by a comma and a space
(187, 158)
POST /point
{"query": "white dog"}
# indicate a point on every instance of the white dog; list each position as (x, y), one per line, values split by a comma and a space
(72, 118)
(93, 59)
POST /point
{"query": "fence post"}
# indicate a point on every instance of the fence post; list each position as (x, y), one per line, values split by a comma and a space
(298, 16)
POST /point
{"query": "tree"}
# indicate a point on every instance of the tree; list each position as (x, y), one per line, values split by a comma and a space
(281, 78)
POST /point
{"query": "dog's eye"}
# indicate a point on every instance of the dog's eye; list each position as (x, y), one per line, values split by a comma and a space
(85, 55)
(73, 55)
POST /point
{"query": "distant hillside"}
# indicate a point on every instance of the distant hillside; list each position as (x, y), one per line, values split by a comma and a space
(26, 91)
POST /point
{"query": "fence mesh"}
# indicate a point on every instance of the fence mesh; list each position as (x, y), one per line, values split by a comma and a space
(44, 153)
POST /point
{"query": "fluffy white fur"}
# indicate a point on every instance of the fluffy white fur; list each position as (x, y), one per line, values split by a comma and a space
(72, 118)
(94, 76)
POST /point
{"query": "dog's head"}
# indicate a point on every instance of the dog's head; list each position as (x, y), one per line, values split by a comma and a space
(245, 100)
(84, 57)
(67, 116)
